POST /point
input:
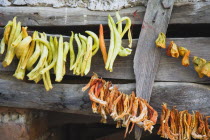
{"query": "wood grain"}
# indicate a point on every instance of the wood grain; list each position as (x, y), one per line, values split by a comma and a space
(47, 16)
(147, 56)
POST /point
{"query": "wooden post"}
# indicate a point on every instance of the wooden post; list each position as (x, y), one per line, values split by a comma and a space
(147, 56)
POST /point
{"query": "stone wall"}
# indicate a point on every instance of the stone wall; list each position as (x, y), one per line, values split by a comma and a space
(102, 5)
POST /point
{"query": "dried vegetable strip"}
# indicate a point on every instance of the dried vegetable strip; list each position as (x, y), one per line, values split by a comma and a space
(126, 110)
(181, 125)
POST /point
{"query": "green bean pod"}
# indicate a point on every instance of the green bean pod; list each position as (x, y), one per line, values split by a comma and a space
(2, 46)
(119, 27)
(55, 55)
(117, 44)
(130, 38)
(65, 51)
(83, 51)
(10, 51)
(82, 37)
(46, 43)
(71, 47)
(36, 71)
(22, 47)
(111, 45)
(47, 80)
(32, 60)
(59, 64)
(30, 51)
(127, 26)
(55, 41)
(88, 55)
(38, 78)
(79, 55)
(124, 51)
(7, 31)
(96, 41)
(17, 40)
(17, 31)
(14, 26)
(19, 73)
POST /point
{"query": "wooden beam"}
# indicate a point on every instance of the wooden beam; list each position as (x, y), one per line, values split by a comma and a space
(147, 56)
(186, 96)
(170, 69)
(198, 12)
(64, 97)
(70, 99)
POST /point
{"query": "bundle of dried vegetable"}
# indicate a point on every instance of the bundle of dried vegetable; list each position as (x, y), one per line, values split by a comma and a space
(40, 53)
(116, 35)
(126, 110)
(181, 125)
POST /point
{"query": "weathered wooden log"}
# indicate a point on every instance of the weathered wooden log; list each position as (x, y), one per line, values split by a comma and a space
(147, 56)
(46, 16)
(69, 97)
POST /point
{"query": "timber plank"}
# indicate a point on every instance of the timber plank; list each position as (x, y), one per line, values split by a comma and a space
(70, 99)
(64, 97)
(198, 12)
(170, 69)
(147, 56)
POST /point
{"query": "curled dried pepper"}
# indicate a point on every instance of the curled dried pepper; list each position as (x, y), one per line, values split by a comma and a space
(182, 51)
(206, 69)
(172, 50)
(198, 64)
(161, 41)
(185, 59)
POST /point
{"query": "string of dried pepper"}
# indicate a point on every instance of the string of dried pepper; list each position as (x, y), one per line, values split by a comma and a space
(125, 109)
(181, 125)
